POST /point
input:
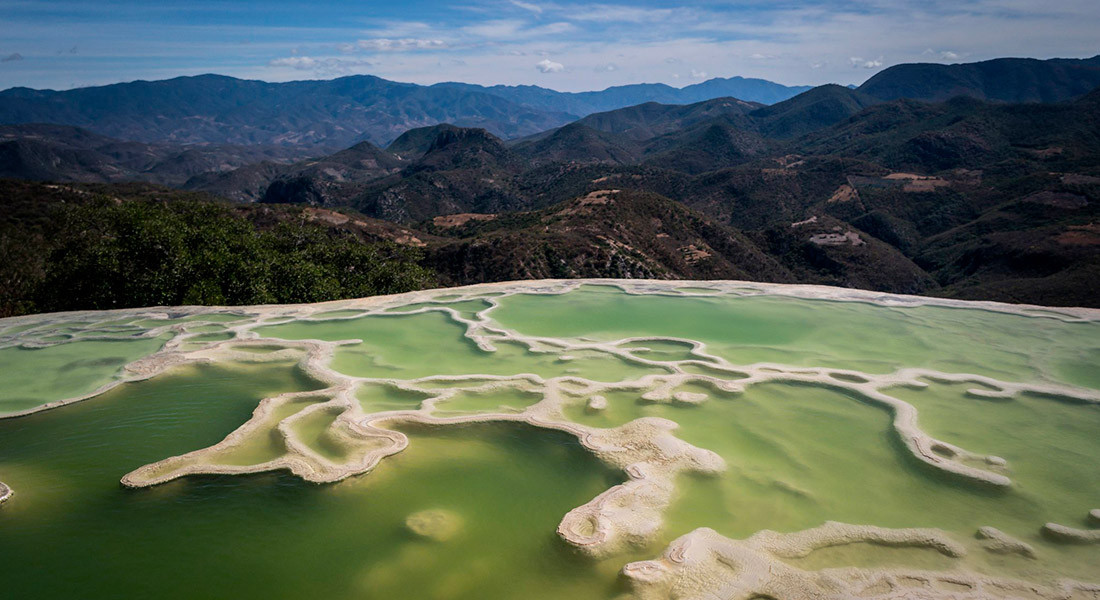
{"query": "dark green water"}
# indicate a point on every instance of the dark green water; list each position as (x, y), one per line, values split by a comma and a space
(73, 531)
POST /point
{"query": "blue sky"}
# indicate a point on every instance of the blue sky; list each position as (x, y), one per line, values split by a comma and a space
(564, 45)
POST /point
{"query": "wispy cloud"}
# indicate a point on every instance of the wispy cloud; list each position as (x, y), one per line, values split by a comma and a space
(946, 55)
(620, 13)
(612, 42)
(497, 30)
(324, 66)
(391, 45)
(14, 56)
(535, 8)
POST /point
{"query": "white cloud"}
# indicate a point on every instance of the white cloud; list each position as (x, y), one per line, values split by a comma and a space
(495, 29)
(942, 54)
(398, 45)
(606, 68)
(399, 29)
(502, 30)
(550, 29)
(295, 62)
(324, 66)
(535, 8)
(698, 74)
(548, 66)
(858, 63)
(613, 13)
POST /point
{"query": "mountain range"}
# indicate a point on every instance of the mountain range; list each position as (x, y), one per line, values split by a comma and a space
(972, 195)
(326, 116)
(330, 115)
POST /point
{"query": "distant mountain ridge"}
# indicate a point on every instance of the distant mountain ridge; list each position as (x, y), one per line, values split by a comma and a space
(585, 103)
(333, 114)
(213, 109)
(324, 116)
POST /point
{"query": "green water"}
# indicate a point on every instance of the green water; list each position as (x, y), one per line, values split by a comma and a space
(338, 314)
(822, 333)
(425, 344)
(508, 400)
(380, 397)
(272, 535)
(267, 444)
(801, 455)
(467, 309)
(74, 369)
(797, 455)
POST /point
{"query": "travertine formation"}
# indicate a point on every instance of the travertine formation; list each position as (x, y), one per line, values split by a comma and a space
(701, 564)
(999, 542)
(1072, 535)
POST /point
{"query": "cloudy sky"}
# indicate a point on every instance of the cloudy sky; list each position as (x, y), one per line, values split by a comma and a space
(564, 45)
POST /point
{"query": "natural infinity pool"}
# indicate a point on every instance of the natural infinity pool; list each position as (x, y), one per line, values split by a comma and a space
(603, 440)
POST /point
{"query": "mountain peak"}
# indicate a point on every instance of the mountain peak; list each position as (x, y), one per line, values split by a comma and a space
(465, 136)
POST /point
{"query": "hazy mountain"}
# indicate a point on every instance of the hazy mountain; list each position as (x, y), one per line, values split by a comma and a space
(585, 103)
(62, 153)
(1003, 79)
(809, 111)
(329, 180)
(246, 184)
(325, 116)
(715, 143)
(579, 143)
(329, 115)
(415, 142)
(212, 109)
(463, 170)
(693, 138)
(649, 120)
(965, 132)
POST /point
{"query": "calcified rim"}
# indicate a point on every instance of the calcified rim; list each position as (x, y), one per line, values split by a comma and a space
(703, 565)
(172, 353)
(646, 450)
